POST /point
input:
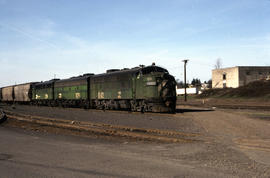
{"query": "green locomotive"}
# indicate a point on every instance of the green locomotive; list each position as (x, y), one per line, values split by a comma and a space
(146, 89)
(149, 89)
(73, 91)
(43, 93)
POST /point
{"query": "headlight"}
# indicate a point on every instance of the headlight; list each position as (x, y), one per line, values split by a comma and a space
(151, 83)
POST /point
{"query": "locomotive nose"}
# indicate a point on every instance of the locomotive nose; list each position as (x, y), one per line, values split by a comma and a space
(168, 91)
(165, 89)
(168, 88)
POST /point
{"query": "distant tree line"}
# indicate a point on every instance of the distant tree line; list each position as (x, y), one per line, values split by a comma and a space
(195, 82)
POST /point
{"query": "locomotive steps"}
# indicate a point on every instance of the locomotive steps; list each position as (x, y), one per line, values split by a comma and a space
(100, 129)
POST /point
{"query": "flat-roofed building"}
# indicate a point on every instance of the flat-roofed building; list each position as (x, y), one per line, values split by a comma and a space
(238, 76)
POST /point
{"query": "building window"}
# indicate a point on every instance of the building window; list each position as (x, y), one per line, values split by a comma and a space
(224, 76)
(247, 73)
(260, 73)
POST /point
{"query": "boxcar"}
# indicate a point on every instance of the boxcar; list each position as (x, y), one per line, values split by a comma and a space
(73, 91)
(23, 92)
(43, 93)
(8, 94)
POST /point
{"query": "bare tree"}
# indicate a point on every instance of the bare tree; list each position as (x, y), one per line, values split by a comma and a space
(218, 64)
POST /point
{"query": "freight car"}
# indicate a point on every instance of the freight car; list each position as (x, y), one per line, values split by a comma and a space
(8, 94)
(150, 89)
(23, 92)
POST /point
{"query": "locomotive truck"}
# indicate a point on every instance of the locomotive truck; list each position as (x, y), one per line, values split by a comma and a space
(146, 89)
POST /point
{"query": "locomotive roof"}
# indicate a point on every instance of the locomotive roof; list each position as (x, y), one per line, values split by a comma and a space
(25, 83)
(144, 70)
(83, 77)
(46, 82)
(7, 86)
(20, 84)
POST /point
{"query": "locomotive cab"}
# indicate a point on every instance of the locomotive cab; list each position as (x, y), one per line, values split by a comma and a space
(157, 88)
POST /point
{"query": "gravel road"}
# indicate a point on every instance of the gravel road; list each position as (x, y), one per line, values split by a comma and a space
(236, 143)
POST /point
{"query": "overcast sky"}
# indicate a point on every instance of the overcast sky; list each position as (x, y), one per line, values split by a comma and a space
(43, 38)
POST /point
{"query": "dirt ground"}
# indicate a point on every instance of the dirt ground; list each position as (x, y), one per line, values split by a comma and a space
(125, 118)
(233, 141)
(227, 103)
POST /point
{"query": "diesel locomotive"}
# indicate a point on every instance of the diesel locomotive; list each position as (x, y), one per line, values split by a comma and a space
(145, 89)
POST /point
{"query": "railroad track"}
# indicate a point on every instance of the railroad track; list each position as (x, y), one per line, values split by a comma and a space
(102, 129)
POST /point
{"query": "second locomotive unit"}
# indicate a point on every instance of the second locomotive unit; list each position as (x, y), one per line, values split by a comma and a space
(149, 89)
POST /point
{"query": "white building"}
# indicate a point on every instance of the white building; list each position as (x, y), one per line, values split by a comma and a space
(194, 91)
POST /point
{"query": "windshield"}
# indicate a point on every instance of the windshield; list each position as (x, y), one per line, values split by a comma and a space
(148, 70)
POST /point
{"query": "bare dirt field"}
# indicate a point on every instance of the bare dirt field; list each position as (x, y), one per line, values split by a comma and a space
(228, 103)
(231, 142)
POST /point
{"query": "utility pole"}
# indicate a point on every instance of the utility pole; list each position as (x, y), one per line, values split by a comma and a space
(185, 77)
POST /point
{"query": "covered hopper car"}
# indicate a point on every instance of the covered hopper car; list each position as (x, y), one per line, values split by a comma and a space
(8, 94)
(23, 92)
